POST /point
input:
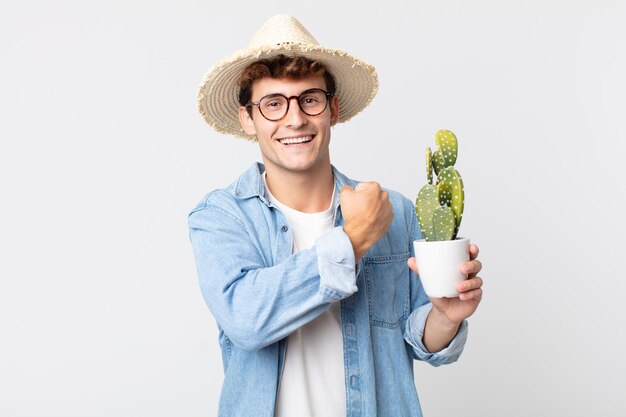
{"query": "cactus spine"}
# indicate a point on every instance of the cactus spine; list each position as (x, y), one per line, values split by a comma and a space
(439, 206)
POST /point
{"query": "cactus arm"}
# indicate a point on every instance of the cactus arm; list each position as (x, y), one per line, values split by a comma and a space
(429, 165)
(443, 223)
(438, 164)
(445, 195)
(425, 205)
(453, 182)
(448, 146)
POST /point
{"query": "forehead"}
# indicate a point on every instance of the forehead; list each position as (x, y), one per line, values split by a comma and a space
(285, 86)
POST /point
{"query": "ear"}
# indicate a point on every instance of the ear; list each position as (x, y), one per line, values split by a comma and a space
(246, 121)
(334, 110)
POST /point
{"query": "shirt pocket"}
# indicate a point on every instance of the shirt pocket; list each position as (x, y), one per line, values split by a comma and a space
(388, 290)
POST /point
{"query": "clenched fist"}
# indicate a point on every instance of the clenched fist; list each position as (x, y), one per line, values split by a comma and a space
(367, 213)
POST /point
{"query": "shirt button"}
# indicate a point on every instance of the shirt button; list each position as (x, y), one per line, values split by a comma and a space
(284, 228)
(354, 380)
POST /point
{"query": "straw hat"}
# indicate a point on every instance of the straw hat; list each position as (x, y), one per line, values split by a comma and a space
(357, 82)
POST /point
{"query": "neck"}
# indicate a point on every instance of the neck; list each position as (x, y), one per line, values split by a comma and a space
(308, 192)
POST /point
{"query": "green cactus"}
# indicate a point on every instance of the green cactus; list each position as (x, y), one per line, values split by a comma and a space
(427, 203)
(448, 146)
(445, 196)
(429, 165)
(438, 163)
(453, 186)
(443, 223)
(440, 207)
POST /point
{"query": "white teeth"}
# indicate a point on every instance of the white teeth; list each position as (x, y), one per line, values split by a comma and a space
(289, 141)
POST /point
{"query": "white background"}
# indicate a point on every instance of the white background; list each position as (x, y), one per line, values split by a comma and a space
(102, 155)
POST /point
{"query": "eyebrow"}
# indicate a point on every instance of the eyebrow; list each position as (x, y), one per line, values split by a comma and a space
(286, 95)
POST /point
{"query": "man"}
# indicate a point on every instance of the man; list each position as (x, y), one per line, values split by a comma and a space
(304, 269)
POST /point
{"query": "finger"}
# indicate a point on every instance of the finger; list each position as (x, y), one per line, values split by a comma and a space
(469, 284)
(473, 295)
(412, 264)
(473, 249)
(471, 267)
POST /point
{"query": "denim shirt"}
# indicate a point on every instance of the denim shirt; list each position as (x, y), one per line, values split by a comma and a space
(259, 293)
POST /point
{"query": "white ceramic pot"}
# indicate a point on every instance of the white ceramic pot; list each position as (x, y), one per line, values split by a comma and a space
(439, 264)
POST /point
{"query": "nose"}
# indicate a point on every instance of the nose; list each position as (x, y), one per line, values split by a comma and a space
(295, 117)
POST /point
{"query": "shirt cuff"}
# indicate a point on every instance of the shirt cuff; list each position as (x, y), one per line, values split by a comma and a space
(336, 264)
(415, 334)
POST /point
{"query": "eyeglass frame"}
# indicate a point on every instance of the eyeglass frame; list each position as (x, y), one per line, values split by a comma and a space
(258, 103)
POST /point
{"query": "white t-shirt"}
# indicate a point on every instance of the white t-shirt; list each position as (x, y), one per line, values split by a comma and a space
(313, 381)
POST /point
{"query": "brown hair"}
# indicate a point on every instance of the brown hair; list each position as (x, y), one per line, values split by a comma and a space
(282, 66)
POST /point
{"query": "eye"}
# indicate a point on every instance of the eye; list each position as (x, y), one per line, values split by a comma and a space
(272, 103)
(311, 99)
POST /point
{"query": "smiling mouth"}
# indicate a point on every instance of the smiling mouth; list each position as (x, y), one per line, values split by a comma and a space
(295, 141)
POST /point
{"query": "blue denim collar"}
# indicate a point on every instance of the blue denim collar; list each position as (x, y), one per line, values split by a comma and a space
(250, 183)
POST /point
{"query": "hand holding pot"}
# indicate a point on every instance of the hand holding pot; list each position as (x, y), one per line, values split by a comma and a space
(457, 309)
(367, 213)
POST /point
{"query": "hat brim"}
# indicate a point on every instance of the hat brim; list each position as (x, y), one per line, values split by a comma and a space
(357, 83)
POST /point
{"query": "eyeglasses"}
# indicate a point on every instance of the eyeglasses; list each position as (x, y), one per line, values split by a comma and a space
(274, 107)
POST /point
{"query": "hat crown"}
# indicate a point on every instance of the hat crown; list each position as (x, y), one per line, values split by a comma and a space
(281, 29)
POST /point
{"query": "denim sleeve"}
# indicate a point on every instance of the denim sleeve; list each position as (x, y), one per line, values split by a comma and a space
(420, 309)
(336, 264)
(414, 334)
(256, 304)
